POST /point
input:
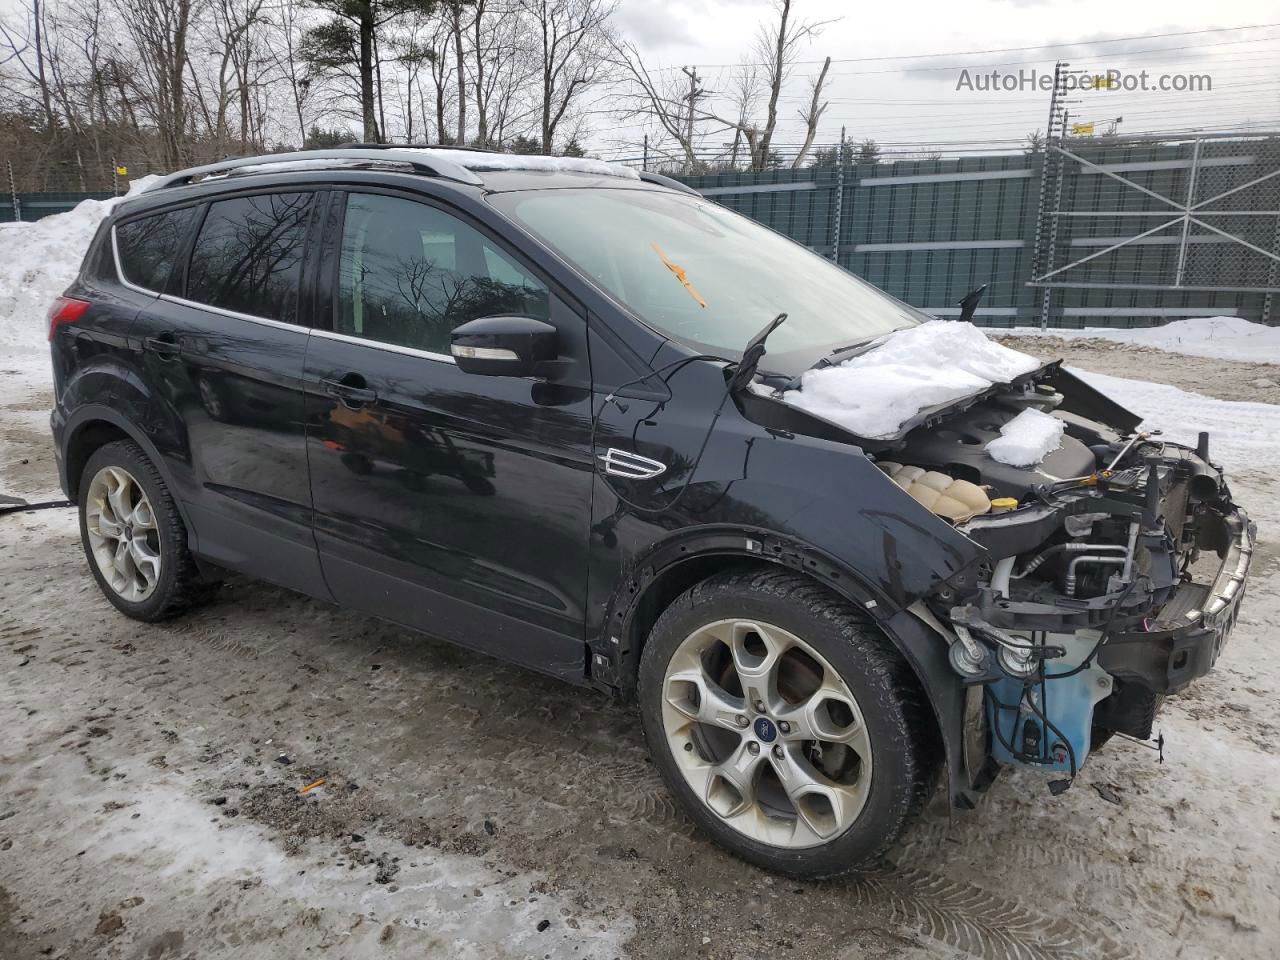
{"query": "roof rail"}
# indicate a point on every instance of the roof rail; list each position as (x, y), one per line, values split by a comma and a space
(435, 166)
(357, 145)
(666, 181)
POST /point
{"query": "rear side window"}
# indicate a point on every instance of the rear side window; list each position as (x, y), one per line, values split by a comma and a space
(248, 256)
(149, 247)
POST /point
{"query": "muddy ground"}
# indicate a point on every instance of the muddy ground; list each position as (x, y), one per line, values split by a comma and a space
(151, 800)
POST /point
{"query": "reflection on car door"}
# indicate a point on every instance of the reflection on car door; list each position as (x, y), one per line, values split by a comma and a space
(454, 503)
(225, 347)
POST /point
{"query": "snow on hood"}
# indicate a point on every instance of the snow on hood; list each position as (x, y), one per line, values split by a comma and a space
(1027, 439)
(875, 393)
(41, 258)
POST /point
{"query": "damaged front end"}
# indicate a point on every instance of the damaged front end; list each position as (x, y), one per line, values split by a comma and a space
(1114, 567)
(1115, 570)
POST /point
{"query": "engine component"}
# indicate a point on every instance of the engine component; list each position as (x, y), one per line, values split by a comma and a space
(957, 500)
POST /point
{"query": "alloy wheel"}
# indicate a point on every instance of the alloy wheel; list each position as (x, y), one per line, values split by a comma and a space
(766, 733)
(123, 536)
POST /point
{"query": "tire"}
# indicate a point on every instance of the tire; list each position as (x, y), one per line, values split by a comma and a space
(859, 804)
(176, 584)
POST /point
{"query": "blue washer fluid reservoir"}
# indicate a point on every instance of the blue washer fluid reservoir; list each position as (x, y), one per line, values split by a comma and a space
(1067, 702)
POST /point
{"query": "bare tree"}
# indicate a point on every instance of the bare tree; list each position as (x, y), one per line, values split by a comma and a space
(27, 48)
(813, 114)
(501, 67)
(458, 26)
(777, 46)
(159, 29)
(664, 100)
(571, 48)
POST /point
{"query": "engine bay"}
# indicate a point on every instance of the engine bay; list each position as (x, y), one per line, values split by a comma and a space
(1116, 565)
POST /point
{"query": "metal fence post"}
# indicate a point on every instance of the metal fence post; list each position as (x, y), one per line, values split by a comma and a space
(13, 192)
(839, 210)
(1192, 174)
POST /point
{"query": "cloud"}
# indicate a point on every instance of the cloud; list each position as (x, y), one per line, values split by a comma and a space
(654, 24)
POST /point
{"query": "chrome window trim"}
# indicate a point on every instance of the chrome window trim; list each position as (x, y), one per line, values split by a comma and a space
(222, 311)
(380, 345)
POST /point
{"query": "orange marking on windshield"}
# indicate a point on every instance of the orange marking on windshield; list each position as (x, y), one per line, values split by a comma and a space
(680, 275)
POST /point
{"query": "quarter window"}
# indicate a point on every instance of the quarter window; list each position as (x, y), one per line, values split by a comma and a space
(410, 273)
(149, 247)
(248, 256)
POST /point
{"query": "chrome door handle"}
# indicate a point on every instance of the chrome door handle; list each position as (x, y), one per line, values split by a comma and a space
(352, 394)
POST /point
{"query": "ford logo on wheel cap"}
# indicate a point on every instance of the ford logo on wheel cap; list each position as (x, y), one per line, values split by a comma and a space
(765, 729)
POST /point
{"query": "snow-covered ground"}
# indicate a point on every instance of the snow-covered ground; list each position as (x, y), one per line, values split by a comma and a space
(1221, 338)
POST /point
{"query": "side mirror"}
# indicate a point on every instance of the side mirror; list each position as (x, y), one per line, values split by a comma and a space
(503, 346)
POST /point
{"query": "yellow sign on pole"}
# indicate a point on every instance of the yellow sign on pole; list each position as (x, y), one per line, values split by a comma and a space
(1082, 129)
(122, 171)
(1104, 81)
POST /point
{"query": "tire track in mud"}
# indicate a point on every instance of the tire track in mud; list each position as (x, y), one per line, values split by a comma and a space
(968, 918)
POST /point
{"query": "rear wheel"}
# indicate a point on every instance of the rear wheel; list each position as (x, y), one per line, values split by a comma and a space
(133, 535)
(786, 725)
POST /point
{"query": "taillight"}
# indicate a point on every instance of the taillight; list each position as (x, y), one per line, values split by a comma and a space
(65, 310)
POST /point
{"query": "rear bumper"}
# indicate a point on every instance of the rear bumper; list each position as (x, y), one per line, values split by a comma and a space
(57, 425)
(1186, 639)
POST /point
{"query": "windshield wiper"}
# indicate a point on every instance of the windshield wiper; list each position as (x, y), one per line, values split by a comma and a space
(846, 353)
(746, 370)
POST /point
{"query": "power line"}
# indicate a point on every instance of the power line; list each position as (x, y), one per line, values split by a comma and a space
(975, 53)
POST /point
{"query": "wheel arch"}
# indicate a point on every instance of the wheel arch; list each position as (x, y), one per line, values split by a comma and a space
(92, 427)
(689, 557)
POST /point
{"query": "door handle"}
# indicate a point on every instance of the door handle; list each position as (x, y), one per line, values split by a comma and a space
(165, 346)
(351, 390)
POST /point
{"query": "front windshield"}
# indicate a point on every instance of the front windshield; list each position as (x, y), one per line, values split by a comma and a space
(699, 272)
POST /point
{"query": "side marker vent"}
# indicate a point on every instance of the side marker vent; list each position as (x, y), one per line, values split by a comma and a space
(630, 466)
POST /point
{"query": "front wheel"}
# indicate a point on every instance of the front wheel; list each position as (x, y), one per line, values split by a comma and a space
(787, 727)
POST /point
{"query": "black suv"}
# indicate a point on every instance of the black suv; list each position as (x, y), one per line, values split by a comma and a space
(525, 405)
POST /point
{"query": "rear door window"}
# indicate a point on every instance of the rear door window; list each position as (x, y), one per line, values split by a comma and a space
(410, 273)
(248, 256)
(148, 247)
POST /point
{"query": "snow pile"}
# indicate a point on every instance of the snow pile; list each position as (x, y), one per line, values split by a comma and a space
(1218, 338)
(473, 160)
(1027, 439)
(40, 260)
(876, 393)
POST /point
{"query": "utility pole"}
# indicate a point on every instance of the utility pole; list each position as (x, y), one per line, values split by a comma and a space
(695, 92)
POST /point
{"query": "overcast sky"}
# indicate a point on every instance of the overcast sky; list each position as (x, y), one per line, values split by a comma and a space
(924, 104)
